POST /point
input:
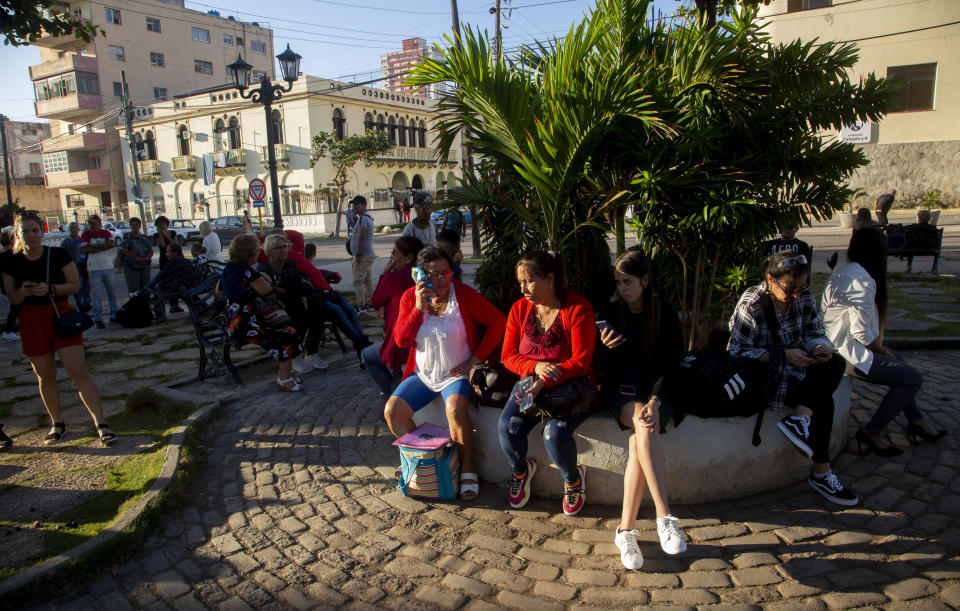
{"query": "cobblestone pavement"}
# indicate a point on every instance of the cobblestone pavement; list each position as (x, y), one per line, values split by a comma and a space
(296, 506)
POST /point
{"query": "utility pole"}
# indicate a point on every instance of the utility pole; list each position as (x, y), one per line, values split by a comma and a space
(498, 49)
(127, 108)
(456, 22)
(6, 158)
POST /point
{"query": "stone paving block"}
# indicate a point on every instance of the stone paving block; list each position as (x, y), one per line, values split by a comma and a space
(326, 573)
(156, 562)
(722, 531)
(466, 585)
(292, 525)
(234, 603)
(759, 576)
(856, 578)
(702, 579)
(591, 535)
(545, 557)
(447, 518)
(541, 572)
(849, 600)
(500, 546)
(755, 540)
(752, 559)
(910, 589)
(114, 601)
(683, 597)
(491, 559)
(607, 598)
(951, 595)
(504, 580)
(554, 590)
(512, 600)
(709, 564)
(561, 546)
(796, 589)
(242, 562)
(795, 534)
(412, 569)
(650, 580)
(455, 564)
(379, 540)
(268, 581)
(490, 515)
(440, 597)
(589, 578)
(809, 604)
(482, 605)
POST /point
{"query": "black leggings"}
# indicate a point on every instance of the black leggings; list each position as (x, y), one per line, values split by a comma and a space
(11, 325)
(815, 391)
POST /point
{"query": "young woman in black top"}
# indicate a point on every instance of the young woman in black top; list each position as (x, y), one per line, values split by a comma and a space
(641, 346)
(41, 278)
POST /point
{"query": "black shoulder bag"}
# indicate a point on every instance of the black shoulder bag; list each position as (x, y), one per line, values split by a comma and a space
(72, 322)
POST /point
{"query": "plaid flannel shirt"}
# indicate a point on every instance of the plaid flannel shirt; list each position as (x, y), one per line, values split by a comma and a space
(800, 327)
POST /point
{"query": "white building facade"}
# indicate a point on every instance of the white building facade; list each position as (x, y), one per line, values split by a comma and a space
(232, 133)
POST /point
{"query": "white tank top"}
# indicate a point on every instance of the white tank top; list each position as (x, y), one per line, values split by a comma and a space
(441, 345)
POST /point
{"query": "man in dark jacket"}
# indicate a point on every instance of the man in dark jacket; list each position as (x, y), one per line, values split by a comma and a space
(883, 205)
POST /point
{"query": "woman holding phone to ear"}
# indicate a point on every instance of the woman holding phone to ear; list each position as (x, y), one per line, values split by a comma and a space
(641, 346)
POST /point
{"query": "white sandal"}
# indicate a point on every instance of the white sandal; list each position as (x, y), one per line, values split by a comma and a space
(469, 486)
(291, 384)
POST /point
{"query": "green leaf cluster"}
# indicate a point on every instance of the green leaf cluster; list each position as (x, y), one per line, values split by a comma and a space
(23, 22)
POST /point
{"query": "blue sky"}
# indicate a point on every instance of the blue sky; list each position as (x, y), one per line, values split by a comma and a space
(342, 37)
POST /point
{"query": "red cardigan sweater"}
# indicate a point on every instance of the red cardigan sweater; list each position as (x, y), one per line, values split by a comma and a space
(474, 309)
(579, 328)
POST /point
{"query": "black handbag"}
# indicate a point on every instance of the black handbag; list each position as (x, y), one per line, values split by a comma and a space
(492, 382)
(568, 399)
(71, 323)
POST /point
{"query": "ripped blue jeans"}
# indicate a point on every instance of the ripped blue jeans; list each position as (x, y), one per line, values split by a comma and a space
(514, 429)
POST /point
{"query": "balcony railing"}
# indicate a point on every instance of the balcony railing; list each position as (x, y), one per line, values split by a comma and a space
(69, 108)
(184, 166)
(412, 154)
(149, 170)
(282, 151)
(55, 42)
(78, 179)
(90, 141)
(69, 63)
(230, 162)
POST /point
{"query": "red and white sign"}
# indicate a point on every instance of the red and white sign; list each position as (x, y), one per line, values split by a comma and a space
(258, 190)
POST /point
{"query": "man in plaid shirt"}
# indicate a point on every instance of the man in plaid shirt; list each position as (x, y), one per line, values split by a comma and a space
(809, 370)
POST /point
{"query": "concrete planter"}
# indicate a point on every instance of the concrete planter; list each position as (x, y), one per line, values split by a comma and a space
(846, 220)
(707, 459)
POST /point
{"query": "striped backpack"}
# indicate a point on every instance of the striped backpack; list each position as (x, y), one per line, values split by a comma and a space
(429, 464)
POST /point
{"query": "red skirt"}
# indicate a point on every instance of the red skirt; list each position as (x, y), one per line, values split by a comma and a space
(37, 333)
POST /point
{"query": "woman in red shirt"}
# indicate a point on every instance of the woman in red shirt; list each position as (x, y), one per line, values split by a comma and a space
(385, 360)
(551, 335)
(440, 319)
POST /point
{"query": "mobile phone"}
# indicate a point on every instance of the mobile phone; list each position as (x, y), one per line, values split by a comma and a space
(628, 391)
(604, 325)
(420, 275)
(29, 284)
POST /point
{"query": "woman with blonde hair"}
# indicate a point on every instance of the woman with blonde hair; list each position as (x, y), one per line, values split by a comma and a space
(243, 287)
(42, 278)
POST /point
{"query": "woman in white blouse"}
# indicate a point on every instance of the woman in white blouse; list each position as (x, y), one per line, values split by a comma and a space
(854, 307)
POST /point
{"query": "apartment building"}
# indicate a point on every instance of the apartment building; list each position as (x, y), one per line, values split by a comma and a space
(163, 49)
(231, 134)
(395, 66)
(23, 145)
(916, 147)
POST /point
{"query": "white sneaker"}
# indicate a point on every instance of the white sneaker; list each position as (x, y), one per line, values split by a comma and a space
(300, 366)
(13, 337)
(630, 554)
(316, 362)
(671, 539)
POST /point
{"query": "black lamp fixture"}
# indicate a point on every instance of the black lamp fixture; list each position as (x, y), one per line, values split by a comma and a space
(266, 94)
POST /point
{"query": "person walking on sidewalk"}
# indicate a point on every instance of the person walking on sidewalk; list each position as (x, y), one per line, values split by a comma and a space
(6, 251)
(42, 278)
(361, 245)
(883, 205)
(71, 244)
(137, 251)
(211, 242)
(97, 244)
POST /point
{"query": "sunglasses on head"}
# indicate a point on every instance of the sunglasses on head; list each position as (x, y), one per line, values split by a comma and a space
(792, 262)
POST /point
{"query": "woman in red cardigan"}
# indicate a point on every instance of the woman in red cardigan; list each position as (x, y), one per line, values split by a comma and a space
(441, 323)
(551, 335)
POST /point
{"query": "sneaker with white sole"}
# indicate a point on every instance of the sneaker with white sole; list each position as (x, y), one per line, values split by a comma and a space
(575, 498)
(831, 489)
(519, 492)
(316, 362)
(11, 336)
(630, 554)
(300, 366)
(797, 430)
(671, 539)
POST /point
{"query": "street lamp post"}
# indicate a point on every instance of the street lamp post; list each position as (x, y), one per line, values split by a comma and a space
(266, 94)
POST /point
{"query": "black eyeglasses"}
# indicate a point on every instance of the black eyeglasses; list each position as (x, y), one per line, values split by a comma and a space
(436, 276)
(793, 291)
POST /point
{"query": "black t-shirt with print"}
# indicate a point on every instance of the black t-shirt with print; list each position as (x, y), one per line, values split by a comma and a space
(22, 270)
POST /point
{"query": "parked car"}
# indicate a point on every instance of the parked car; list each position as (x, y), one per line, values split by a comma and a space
(229, 227)
(184, 229)
(439, 215)
(117, 229)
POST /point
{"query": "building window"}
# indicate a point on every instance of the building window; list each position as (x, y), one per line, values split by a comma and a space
(422, 135)
(367, 122)
(200, 35)
(116, 53)
(28, 132)
(227, 39)
(160, 93)
(239, 41)
(234, 133)
(402, 133)
(153, 25)
(392, 130)
(276, 124)
(257, 75)
(118, 89)
(202, 67)
(55, 162)
(112, 15)
(93, 162)
(218, 132)
(87, 82)
(258, 47)
(156, 59)
(75, 201)
(805, 5)
(917, 85)
(338, 124)
(183, 140)
(36, 169)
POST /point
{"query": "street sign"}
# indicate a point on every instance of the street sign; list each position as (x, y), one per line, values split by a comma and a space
(257, 204)
(258, 190)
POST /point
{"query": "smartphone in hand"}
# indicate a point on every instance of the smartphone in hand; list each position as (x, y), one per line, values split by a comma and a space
(604, 325)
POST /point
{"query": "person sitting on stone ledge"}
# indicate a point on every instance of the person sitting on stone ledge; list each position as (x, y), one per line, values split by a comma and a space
(641, 346)
(921, 235)
(854, 306)
(549, 342)
(440, 318)
(777, 322)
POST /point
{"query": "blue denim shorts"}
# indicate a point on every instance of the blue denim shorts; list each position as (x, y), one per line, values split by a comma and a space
(417, 395)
